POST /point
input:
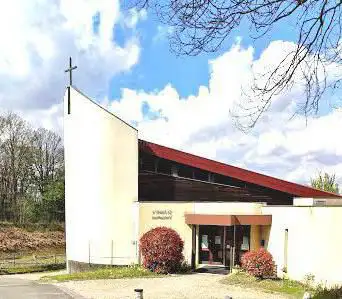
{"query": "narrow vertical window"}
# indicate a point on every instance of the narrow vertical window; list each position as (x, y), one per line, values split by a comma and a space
(286, 240)
(68, 99)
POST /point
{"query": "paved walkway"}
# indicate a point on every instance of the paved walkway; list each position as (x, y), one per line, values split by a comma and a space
(191, 286)
(17, 288)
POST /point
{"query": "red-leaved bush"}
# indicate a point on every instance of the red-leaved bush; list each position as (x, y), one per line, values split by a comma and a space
(162, 249)
(258, 263)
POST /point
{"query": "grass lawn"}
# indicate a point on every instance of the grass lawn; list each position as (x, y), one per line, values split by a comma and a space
(104, 273)
(290, 287)
(29, 262)
(28, 254)
(31, 269)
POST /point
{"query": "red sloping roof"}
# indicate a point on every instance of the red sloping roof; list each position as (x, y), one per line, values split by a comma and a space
(232, 171)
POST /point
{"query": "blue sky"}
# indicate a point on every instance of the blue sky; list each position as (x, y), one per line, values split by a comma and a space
(159, 66)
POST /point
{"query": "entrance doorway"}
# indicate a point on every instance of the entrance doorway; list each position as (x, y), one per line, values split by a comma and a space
(223, 245)
(211, 244)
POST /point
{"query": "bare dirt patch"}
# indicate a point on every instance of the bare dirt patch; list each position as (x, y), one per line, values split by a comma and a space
(14, 239)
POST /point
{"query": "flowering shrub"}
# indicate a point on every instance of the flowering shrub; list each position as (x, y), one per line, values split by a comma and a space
(258, 263)
(162, 249)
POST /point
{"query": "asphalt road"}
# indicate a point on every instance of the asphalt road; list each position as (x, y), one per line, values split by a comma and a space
(15, 288)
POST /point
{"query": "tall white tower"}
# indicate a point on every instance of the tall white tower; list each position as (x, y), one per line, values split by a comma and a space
(101, 185)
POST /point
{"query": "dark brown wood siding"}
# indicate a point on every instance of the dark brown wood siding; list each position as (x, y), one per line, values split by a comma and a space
(161, 187)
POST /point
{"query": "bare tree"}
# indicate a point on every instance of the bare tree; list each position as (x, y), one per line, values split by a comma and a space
(31, 172)
(47, 155)
(15, 154)
(204, 25)
(48, 173)
(3, 174)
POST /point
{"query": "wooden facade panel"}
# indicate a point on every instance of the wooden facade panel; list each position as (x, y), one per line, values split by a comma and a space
(159, 187)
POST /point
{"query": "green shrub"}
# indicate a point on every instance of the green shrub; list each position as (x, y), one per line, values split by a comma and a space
(309, 280)
(334, 292)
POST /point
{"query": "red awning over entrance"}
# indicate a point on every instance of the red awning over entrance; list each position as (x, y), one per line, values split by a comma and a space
(227, 220)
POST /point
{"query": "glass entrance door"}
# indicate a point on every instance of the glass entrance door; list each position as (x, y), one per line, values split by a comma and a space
(211, 244)
(223, 244)
(237, 242)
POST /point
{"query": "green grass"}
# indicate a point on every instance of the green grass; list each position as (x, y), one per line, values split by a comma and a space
(104, 273)
(32, 269)
(32, 259)
(285, 286)
(28, 254)
(38, 261)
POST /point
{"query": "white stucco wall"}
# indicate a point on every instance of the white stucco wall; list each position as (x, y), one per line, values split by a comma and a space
(314, 241)
(228, 208)
(101, 184)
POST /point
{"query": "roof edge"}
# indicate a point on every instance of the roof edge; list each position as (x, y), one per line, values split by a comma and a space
(317, 192)
(103, 108)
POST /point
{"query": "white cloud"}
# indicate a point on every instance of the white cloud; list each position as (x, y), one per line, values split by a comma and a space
(202, 124)
(50, 118)
(163, 31)
(134, 16)
(38, 36)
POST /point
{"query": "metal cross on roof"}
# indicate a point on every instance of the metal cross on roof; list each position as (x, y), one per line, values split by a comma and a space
(69, 70)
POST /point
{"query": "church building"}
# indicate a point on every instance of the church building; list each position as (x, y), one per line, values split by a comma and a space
(117, 187)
